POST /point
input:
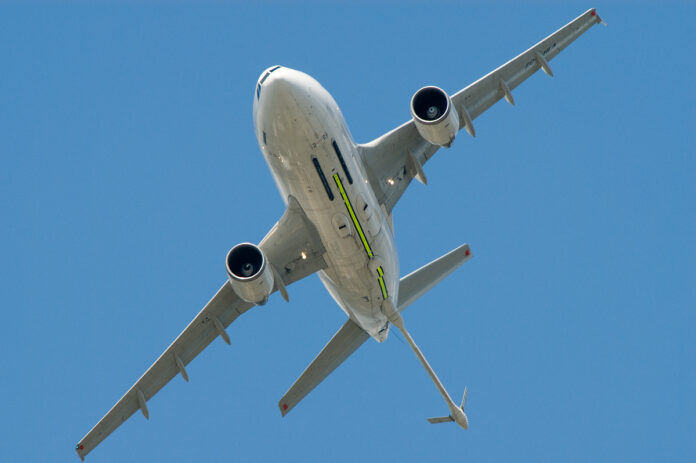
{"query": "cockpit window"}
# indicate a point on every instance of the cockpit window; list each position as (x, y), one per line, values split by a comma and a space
(258, 87)
(263, 79)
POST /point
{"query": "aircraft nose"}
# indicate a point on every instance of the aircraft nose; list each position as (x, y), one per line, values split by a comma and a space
(281, 85)
(263, 78)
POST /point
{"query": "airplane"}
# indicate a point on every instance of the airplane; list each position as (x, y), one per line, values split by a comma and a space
(340, 197)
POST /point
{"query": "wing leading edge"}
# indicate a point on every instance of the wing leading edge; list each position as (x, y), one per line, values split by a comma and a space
(284, 246)
(389, 158)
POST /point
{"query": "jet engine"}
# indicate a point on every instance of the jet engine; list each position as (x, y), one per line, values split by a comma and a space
(436, 119)
(250, 274)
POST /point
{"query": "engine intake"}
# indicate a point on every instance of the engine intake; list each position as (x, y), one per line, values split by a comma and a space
(250, 275)
(435, 118)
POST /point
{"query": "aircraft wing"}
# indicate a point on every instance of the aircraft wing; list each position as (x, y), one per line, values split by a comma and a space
(339, 348)
(395, 158)
(283, 246)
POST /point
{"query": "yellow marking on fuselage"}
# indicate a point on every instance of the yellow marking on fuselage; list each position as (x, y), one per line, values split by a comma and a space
(349, 206)
(381, 282)
(363, 238)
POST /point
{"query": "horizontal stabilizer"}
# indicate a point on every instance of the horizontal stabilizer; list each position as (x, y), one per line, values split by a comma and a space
(417, 283)
(339, 348)
(441, 419)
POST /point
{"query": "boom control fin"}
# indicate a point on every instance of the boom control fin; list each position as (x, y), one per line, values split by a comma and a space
(449, 418)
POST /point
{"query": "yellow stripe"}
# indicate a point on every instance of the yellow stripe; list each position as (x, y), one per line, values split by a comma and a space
(381, 283)
(349, 206)
(352, 216)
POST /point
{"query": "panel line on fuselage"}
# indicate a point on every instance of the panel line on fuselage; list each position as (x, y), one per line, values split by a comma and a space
(363, 238)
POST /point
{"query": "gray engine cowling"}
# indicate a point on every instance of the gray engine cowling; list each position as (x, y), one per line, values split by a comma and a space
(250, 274)
(434, 115)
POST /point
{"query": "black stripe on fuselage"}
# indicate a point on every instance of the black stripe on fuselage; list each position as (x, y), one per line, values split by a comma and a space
(320, 172)
(342, 161)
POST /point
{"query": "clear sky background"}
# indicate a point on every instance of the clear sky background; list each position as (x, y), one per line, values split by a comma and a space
(130, 168)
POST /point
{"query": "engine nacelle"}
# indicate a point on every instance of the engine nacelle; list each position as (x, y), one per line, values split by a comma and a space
(436, 119)
(250, 274)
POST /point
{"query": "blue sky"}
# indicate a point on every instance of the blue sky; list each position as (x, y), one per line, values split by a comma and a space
(130, 169)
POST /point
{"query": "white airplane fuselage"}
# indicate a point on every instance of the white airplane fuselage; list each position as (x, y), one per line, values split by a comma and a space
(301, 132)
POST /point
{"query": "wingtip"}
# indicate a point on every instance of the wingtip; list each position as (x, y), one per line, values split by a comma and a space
(599, 20)
(284, 408)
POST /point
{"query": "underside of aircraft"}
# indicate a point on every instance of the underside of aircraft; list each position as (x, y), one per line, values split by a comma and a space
(340, 196)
